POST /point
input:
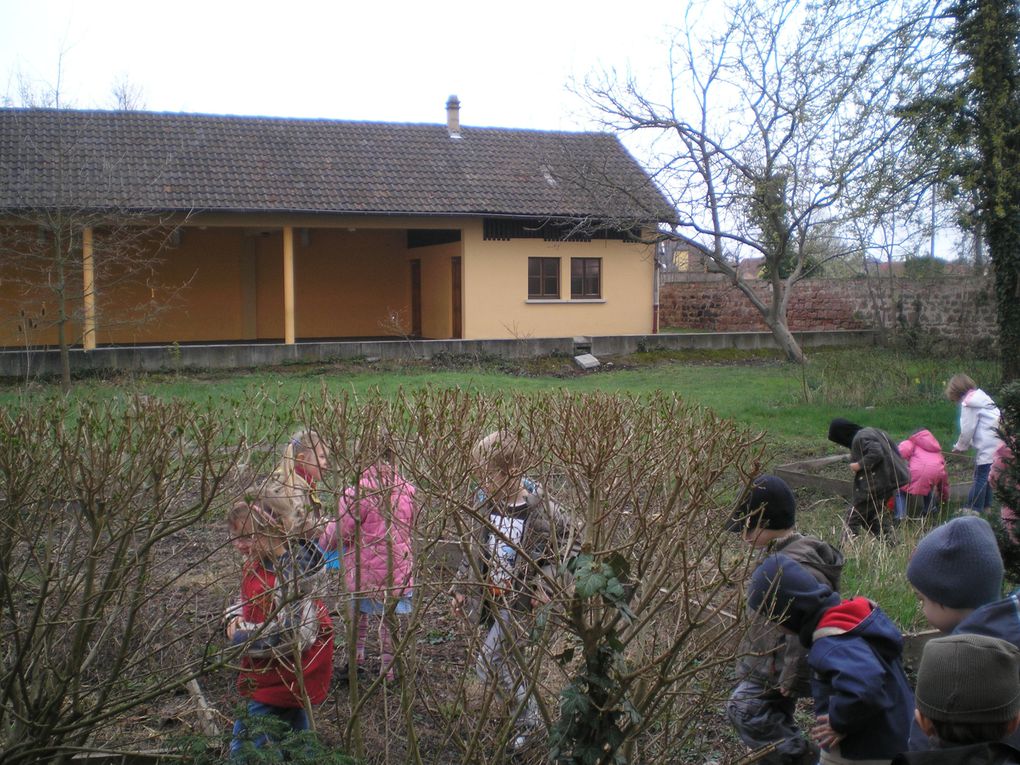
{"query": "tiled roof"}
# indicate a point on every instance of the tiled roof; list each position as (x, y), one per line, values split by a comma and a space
(174, 162)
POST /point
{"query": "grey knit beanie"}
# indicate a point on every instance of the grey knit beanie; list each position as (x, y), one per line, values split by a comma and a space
(958, 564)
(969, 679)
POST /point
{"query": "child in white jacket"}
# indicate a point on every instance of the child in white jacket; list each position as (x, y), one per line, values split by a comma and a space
(979, 428)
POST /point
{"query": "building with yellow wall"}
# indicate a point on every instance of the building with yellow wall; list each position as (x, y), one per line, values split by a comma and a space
(149, 228)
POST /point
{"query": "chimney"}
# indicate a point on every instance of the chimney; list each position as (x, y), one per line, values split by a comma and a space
(453, 116)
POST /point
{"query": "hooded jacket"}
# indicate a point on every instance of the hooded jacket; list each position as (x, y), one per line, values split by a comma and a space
(1000, 619)
(285, 625)
(923, 454)
(974, 754)
(376, 521)
(859, 682)
(882, 471)
(979, 423)
(770, 656)
(548, 539)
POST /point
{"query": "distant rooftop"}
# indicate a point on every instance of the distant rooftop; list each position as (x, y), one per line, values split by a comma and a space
(189, 162)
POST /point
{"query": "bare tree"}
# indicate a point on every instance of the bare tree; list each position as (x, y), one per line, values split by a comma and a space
(773, 134)
(127, 95)
(81, 237)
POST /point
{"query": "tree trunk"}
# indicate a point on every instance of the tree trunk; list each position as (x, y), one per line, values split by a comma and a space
(62, 318)
(784, 337)
(65, 356)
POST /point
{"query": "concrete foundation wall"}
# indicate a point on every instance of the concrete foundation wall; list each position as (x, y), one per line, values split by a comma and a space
(46, 363)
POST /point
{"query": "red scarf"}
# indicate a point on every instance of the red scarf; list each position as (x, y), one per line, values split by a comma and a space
(307, 478)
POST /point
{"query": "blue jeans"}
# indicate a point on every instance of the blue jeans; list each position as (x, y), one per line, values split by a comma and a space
(979, 497)
(900, 512)
(295, 717)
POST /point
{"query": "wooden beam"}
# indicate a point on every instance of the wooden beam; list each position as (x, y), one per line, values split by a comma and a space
(288, 285)
(88, 290)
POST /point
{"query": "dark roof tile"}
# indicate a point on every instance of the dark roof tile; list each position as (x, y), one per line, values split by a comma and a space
(165, 162)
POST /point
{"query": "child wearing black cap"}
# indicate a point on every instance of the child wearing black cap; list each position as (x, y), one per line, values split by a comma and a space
(772, 670)
(862, 702)
(879, 471)
(956, 571)
(968, 698)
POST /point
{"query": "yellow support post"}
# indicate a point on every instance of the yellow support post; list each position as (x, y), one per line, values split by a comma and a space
(288, 285)
(88, 290)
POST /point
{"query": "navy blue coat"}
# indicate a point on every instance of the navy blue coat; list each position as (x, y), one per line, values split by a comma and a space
(1000, 619)
(858, 681)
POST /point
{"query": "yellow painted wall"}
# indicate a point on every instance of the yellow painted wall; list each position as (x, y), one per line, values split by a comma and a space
(224, 282)
(436, 288)
(194, 291)
(28, 307)
(352, 283)
(496, 289)
(197, 291)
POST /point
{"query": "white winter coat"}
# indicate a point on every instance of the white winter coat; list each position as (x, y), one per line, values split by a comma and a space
(979, 423)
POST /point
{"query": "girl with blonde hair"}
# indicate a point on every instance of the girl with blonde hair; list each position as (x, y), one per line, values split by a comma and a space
(279, 622)
(979, 428)
(305, 459)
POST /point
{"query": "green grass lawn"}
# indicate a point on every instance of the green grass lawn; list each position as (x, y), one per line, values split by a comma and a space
(790, 404)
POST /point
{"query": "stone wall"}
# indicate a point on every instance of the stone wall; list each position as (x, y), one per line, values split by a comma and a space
(952, 308)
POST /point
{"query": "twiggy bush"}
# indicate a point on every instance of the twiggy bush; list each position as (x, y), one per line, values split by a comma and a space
(627, 646)
(92, 501)
(639, 627)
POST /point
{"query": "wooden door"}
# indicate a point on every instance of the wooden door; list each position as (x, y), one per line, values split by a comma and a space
(458, 316)
(416, 298)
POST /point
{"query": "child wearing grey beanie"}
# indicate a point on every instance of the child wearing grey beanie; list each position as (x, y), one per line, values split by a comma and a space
(968, 698)
(958, 565)
(957, 573)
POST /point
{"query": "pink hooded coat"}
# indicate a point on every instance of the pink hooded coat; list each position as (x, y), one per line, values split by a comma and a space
(927, 465)
(376, 520)
(997, 475)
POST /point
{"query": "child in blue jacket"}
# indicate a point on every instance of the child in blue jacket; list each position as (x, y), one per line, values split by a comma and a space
(863, 704)
(956, 571)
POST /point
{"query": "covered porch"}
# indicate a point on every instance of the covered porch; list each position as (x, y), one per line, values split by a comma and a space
(255, 281)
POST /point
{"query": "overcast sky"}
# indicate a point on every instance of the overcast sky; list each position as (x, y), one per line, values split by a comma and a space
(388, 60)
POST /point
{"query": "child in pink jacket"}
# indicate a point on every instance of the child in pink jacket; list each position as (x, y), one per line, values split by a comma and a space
(928, 477)
(374, 529)
(997, 477)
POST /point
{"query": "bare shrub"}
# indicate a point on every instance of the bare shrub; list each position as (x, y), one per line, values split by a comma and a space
(640, 626)
(111, 593)
(94, 500)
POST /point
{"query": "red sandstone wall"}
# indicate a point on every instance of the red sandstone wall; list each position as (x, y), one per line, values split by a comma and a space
(950, 307)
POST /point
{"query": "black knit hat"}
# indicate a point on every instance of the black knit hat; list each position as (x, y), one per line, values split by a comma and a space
(768, 504)
(842, 431)
(969, 679)
(958, 564)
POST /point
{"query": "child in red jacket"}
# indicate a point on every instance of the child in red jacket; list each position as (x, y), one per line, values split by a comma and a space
(284, 631)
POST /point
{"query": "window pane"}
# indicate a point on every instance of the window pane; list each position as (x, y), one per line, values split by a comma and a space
(593, 286)
(585, 277)
(543, 277)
